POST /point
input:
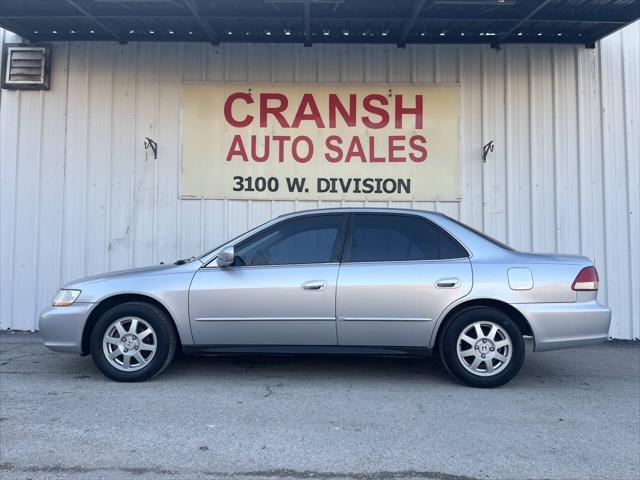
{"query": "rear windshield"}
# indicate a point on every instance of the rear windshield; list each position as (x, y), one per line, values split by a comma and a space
(482, 234)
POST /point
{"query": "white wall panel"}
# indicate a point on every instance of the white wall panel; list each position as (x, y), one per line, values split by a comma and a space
(80, 195)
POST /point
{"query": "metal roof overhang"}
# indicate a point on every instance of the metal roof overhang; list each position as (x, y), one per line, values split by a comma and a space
(319, 21)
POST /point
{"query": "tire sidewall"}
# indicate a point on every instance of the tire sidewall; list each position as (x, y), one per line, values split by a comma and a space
(165, 336)
(449, 354)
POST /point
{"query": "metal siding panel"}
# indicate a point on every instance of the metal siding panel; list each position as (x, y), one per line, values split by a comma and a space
(617, 274)
(100, 67)
(447, 63)
(494, 128)
(306, 64)
(259, 212)
(424, 59)
(518, 147)
(260, 63)
(166, 195)
(567, 194)
(208, 63)
(284, 63)
(447, 70)
(283, 206)
(377, 64)
(52, 167)
(121, 206)
(145, 176)
(214, 226)
(400, 64)
(355, 63)
(631, 53)
(236, 62)
(543, 187)
(10, 119)
(329, 63)
(237, 217)
(471, 137)
(590, 158)
(74, 219)
(194, 68)
(189, 232)
(26, 197)
(9, 132)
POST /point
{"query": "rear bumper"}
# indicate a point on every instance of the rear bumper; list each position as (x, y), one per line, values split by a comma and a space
(61, 327)
(566, 325)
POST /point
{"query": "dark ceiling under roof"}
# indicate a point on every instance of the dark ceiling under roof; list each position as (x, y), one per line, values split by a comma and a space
(319, 21)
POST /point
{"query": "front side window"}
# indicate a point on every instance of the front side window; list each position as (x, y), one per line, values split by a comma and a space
(379, 238)
(309, 239)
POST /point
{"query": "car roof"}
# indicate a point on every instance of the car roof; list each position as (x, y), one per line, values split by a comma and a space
(359, 209)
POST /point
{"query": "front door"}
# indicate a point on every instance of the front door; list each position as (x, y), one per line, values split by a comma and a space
(280, 290)
(399, 272)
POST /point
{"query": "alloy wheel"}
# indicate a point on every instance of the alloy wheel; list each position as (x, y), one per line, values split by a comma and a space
(129, 344)
(484, 348)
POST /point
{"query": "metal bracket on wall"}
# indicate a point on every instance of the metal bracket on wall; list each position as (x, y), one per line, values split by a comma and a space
(153, 145)
(486, 149)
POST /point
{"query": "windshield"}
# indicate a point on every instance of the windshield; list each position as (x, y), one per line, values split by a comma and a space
(481, 234)
(233, 239)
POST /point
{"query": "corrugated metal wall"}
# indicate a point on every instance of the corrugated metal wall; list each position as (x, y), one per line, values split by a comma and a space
(79, 195)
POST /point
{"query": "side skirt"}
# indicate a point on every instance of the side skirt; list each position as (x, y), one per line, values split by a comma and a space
(305, 350)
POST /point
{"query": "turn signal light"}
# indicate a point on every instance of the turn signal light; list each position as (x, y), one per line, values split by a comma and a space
(587, 279)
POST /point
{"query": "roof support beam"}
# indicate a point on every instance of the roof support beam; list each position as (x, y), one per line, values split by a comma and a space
(204, 24)
(96, 21)
(418, 9)
(307, 23)
(535, 9)
(574, 18)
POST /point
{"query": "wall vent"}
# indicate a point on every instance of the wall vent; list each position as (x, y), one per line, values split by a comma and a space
(26, 66)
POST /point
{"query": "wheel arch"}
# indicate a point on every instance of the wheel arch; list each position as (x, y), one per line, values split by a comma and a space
(112, 301)
(519, 319)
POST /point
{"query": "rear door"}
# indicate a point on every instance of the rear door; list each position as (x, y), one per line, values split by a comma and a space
(398, 273)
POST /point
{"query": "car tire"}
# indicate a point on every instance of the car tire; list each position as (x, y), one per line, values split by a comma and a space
(140, 331)
(482, 347)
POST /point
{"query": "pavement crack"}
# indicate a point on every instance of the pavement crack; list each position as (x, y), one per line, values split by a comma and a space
(269, 392)
(280, 473)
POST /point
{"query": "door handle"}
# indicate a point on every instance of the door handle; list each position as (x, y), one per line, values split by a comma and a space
(448, 283)
(314, 285)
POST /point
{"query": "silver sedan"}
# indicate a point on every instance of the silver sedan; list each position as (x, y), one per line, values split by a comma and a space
(337, 281)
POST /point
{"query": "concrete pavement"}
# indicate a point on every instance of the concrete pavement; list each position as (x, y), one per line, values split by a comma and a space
(572, 414)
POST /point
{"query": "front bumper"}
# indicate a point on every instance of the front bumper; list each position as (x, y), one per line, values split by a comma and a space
(565, 325)
(61, 327)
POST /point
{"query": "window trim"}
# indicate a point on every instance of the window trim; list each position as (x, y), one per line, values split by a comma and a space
(338, 245)
(346, 251)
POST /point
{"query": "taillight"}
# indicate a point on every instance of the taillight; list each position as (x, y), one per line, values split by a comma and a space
(587, 279)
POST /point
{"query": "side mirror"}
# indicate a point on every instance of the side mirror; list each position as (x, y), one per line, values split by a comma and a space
(226, 257)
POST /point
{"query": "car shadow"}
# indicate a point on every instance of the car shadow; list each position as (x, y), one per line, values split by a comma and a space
(572, 368)
(309, 368)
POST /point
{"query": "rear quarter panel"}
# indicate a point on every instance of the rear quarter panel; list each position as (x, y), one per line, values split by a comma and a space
(552, 275)
(551, 282)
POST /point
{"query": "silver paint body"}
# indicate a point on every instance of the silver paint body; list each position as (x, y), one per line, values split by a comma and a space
(398, 304)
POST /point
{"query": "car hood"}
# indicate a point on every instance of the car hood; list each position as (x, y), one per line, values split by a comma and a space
(137, 272)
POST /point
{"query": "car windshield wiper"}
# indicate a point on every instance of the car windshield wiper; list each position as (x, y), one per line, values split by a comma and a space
(183, 261)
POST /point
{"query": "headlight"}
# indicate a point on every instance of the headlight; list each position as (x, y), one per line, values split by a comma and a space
(64, 298)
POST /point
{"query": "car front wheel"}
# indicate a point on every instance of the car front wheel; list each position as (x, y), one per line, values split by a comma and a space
(482, 347)
(133, 341)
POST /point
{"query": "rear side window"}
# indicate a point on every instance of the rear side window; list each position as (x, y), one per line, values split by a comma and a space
(379, 238)
(311, 239)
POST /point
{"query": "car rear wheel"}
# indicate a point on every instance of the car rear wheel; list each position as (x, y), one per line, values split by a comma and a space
(133, 341)
(482, 347)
